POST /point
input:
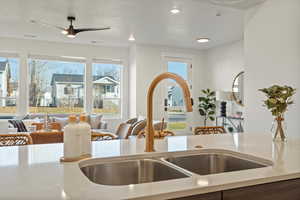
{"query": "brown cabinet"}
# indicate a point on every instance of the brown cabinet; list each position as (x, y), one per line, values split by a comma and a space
(209, 196)
(283, 190)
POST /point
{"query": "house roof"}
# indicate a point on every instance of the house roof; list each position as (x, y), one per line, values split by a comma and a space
(77, 78)
(105, 80)
(3, 65)
(70, 78)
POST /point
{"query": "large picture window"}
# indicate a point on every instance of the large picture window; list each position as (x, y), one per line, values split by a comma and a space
(107, 89)
(9, 78)
(56, 86)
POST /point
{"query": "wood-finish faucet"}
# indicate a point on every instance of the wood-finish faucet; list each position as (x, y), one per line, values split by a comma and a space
(187, 97)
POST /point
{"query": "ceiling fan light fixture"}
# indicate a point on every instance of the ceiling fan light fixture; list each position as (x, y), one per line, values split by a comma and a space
(71, 31)
(65, 32)
(71, 36)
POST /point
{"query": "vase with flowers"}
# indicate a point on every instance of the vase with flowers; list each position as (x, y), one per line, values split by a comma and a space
(278, 100)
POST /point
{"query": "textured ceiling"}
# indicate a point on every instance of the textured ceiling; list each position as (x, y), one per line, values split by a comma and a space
(149, 20)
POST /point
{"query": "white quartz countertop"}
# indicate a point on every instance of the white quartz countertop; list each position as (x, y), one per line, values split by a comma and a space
(34, 171)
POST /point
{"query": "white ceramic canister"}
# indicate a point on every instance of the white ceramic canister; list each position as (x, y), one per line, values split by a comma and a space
(85, 131)
(72, 139)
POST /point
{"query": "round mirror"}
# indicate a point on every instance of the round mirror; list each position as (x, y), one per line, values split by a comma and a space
(238, 88)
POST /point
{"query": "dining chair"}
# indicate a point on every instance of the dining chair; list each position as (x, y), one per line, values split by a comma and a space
(102, 136)
(15, 140)
(47, 137)
(207, 130)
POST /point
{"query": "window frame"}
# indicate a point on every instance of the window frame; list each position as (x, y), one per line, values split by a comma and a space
(14, 56)
(122, 84)
(189, 60)
(57, 59)
(22, 99)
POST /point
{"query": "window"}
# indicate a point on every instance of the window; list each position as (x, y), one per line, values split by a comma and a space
(177, 117)
(56, 86)
(107, 89)
(9, 78)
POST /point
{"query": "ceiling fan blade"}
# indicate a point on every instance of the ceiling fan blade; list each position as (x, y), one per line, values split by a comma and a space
(47, 24)
(90, 29)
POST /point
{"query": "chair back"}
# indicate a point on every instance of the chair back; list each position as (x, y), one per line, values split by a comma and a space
(15, 139)
(102, 136)
(47, 137)
(138, 127)
(38, 125)
(209, 130)
(124, 131)
(132, 120)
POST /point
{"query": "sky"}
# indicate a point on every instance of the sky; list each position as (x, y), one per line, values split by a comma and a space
(179, 68)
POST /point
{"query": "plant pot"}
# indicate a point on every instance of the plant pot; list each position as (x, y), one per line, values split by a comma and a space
(279, 134)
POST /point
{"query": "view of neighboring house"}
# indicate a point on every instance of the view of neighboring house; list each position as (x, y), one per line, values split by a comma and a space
(68, 89)
(175, 96)
(8, 88)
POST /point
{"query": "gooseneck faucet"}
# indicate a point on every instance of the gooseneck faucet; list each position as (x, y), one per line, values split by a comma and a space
(187, 97)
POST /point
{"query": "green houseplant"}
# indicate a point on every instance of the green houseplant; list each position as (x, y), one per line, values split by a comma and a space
(207, 105)
(278, 100)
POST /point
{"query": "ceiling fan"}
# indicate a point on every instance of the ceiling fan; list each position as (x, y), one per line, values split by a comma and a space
(70, 31)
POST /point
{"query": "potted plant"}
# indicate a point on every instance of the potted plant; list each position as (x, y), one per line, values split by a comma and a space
(207, 105)
(278, 100)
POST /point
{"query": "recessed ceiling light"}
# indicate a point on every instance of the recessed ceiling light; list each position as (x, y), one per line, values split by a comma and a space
(203, 40)
(175, 11)
(131, 38)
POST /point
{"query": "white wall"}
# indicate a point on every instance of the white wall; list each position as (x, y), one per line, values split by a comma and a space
(132, 82)
(150, 63)
(223, 63)
(145, 62)
(272, 54)
(24, 48)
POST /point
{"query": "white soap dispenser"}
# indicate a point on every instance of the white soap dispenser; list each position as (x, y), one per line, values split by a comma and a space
(85, 131)
(72, 141)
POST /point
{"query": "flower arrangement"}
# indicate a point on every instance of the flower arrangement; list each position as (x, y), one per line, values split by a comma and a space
(278, 100)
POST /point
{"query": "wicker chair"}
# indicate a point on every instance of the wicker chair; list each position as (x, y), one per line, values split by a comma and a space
(131, 121)
(39, 125)
(123, 132)
(15, 140)
(209, 130)
(58, 137)
(47, 137)
(102, 136)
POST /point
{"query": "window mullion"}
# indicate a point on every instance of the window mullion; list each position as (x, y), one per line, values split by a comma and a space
(23, 102)
(88, 97)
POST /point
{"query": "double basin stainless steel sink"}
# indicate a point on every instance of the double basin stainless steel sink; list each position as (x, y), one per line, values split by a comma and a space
(145, 170)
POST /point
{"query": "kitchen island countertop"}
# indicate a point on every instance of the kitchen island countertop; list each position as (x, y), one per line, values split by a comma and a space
(34, 171)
